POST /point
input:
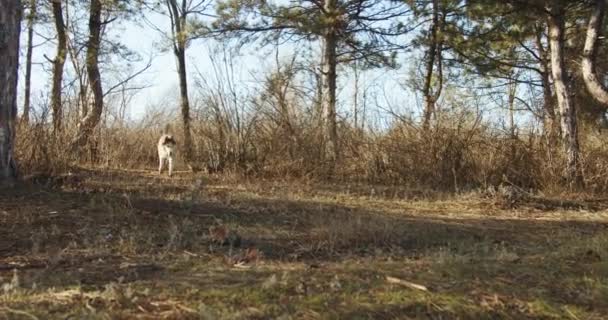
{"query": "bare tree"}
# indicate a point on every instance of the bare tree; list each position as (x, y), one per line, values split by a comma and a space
(179, 14)
(10, 29)
(227, 109)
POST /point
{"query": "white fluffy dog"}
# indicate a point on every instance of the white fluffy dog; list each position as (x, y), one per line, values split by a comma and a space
(166, 151)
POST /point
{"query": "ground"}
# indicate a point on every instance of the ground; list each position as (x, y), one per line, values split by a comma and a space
(117, 244)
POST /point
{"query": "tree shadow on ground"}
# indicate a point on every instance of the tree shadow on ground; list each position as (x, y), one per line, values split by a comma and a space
(92, 233)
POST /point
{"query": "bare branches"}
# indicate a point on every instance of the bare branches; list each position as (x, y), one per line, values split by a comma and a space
(129, 78)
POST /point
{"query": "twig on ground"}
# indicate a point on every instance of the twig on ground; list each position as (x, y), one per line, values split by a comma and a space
(405, 283)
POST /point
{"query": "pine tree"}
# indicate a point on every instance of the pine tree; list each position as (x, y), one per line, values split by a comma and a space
(348, 30)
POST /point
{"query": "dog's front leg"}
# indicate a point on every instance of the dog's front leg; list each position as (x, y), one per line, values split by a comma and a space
(160, 165)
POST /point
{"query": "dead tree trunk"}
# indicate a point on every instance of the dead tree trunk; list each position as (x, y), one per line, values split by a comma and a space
(31, 20)
(58, 64)
(93, 116)
(178, 21)
(329, 76)
(10, 29)
(594, 85)
(562, 91)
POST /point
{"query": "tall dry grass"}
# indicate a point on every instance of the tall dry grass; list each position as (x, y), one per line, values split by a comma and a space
(449, 157)
(275, 133)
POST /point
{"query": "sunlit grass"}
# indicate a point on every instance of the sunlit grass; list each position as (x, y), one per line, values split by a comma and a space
(139, 250)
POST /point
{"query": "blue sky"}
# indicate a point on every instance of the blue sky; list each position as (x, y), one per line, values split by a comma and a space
(162, 76)
(387, 93)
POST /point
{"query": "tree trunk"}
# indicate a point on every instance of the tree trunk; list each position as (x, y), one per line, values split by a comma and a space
(550, 123)
(58, 64)
(356, 96)
(329, 76)
(318, 104)
(562, 90)
(10, 29)
(429, 97)
(178, 19)
(220, 160)
(31, 20)
(594, 85)
(185, 103)
(511, 94)
(93, 116)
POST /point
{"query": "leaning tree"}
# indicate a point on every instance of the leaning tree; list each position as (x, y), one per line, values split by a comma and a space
(592, 80)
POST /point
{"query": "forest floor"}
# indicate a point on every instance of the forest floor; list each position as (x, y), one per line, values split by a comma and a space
(112, 244)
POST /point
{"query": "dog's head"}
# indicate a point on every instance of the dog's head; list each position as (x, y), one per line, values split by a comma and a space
(168, 141)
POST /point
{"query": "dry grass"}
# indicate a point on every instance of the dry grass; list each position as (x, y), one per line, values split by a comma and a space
(117, 244)
(452, 157)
